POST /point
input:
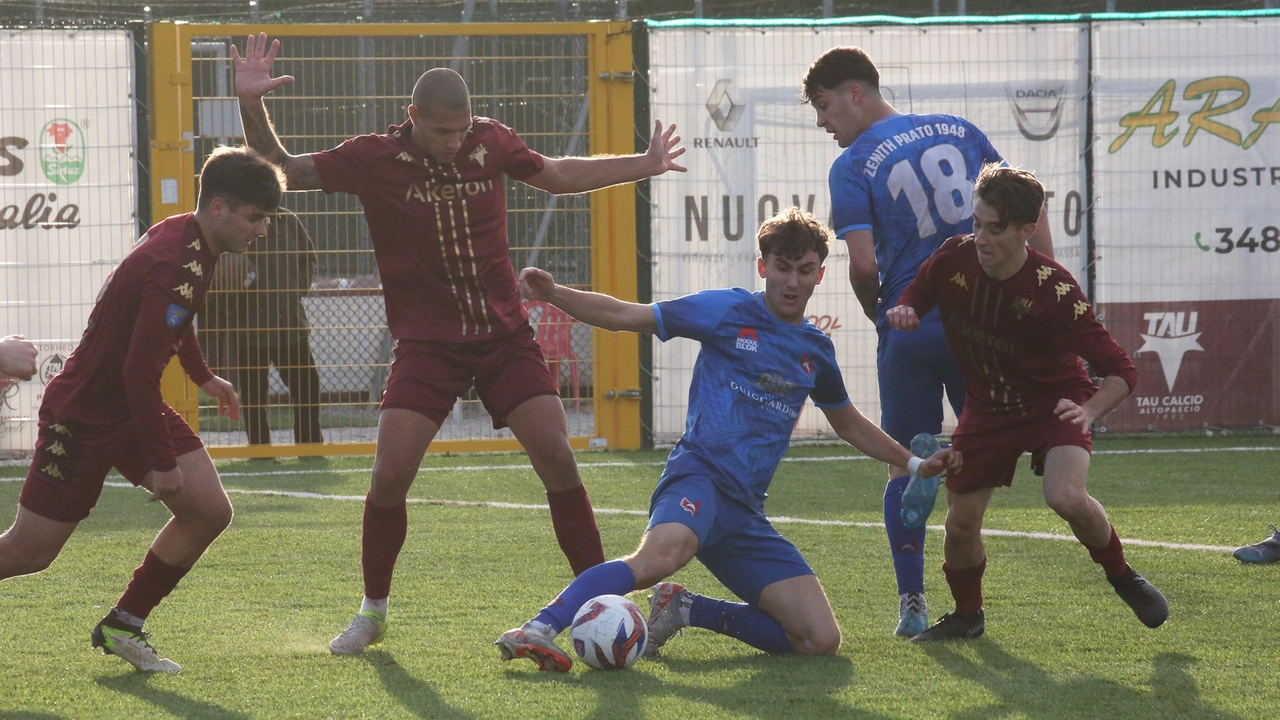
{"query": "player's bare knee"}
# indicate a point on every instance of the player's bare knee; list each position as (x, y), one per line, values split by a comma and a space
(1068, 506)
(823, 642)
(964, 529)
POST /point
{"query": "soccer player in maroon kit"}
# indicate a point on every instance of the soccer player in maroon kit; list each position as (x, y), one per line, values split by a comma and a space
(434, 202)
(105, 410)
(1019, 326)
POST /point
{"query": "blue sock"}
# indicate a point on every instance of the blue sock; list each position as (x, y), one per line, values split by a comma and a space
(740, 621)
(906, 545)
(610, 578)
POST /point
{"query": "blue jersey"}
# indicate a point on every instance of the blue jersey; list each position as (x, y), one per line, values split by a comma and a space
(909, 180)
(749, 384)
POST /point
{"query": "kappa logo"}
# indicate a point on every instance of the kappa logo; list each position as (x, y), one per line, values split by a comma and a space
(693, 507)
(959, 280)
(1061, 289)
(186, 291)
(748, 340)
(724, 112)
(478, 154)
(1042, 274)
(195, 267)
(1170, 335)
(1037, 110)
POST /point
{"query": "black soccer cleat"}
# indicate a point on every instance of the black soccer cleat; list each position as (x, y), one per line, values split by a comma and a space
(955, 626)
(1148, 603)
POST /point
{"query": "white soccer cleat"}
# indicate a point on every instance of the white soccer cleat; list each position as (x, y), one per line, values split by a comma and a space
(367, 628)
(133, 647)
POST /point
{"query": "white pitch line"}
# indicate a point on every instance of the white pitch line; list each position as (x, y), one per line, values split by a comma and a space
(641, 513)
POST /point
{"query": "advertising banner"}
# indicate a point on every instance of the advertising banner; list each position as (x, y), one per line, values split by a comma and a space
(753, 148)
(1187, 179)
(67, 194)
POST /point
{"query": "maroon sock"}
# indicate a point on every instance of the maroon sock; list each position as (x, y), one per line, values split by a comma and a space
(384, 532)
(152, 581)
(575, 526)
(1111, 557)
(966, 587)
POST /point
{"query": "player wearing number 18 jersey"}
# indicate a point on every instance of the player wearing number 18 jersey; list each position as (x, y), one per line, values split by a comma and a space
(903, 185)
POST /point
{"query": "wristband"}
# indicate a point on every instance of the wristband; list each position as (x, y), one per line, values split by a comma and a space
(913, 465)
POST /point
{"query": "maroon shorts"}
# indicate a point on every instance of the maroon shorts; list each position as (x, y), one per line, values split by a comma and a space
(429, 377)
(991, 447)
(70, 463)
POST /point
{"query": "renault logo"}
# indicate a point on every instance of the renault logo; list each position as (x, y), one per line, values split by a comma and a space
(724, 111)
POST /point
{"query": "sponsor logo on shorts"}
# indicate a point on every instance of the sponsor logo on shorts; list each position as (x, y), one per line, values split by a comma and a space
(748, 340)
(693, 507)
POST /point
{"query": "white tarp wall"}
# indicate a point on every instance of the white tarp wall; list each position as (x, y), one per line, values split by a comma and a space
(752, 147)
(1187, 175)
(67, 194)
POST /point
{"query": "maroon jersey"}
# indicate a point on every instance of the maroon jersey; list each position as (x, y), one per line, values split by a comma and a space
(1019, 341)
(142, 317)
(439, 231)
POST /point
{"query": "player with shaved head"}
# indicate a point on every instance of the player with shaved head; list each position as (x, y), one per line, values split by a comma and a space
(433, 198)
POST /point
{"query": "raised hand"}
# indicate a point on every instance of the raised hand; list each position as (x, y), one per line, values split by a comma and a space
(664, 148)
(253, 71)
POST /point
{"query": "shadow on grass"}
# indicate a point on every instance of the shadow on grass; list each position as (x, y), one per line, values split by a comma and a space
(27, 715)
(413, 694)
(772, 686)
(1025, 690)
(137, 685)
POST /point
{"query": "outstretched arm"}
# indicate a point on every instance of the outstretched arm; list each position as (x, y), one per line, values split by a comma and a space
(253, 82)
(854, 428)
(584, 174)
(602, 311)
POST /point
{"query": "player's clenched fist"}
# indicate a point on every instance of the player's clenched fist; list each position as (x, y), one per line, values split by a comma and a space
(536, 284)
(902, 317)
(17, 357)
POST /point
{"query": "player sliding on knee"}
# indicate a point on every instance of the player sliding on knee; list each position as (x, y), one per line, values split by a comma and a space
(760, 361)
(1019, 326)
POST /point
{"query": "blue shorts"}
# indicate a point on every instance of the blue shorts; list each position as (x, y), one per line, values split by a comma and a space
(737, 544)
(913, 368)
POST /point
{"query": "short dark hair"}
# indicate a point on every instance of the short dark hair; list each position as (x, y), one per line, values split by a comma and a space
(792, 233)
(837, 66)
(240, 176)
(1014, 193)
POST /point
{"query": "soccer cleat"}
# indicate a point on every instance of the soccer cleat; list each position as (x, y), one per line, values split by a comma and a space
(132, 646)
(920, 493)
(1147, 602)
(954, 626)
(1267, 551)
(668, 614)
(535, 643)
(367, 628)
(913, 615)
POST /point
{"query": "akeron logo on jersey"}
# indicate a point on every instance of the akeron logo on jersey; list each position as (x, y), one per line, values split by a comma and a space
(748, 340)
(1170, 335)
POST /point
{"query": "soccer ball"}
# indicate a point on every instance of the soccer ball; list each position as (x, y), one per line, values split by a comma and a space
(609, 632)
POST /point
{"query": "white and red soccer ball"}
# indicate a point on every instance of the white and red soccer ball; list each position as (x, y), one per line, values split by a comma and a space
(609, 632)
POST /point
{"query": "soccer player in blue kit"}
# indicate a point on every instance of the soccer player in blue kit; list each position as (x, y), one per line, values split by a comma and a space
(760, 360)
(902, 186)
